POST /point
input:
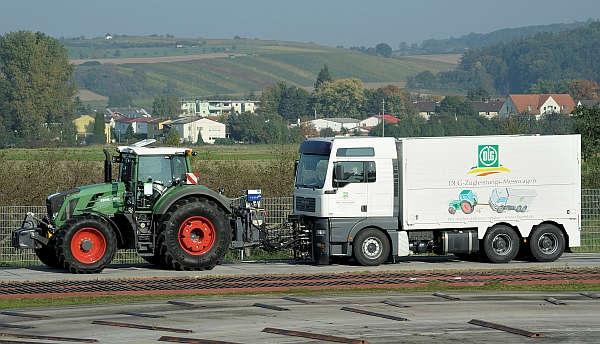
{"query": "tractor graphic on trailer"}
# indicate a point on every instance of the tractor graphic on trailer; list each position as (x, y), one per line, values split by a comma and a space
(466, 202)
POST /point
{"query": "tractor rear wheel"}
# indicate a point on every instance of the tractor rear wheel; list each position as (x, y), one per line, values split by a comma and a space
(85, 245)
(47, 254)
(195, 235)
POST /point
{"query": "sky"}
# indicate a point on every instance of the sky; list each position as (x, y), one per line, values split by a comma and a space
(331, 22)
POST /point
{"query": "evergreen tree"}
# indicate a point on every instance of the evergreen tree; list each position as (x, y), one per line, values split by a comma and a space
(98, 132)
(200, 140)
(129, 134)
(323, 77)
(172, 138)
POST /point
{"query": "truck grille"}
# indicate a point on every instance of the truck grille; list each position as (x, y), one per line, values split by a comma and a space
(305, 204)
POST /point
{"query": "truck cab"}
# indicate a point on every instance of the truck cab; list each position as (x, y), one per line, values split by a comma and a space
(344, 185)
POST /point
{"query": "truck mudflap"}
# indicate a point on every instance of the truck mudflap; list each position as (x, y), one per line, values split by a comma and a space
(29, 236)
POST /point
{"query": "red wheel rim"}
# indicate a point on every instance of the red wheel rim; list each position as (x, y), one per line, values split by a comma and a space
(197, 235)
(466, 208)
(88, 245)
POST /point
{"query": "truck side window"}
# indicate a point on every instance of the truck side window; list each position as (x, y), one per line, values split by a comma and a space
(354, 172)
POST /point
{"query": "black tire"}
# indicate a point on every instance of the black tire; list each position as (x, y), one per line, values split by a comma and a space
(98, 259)
(451, 210)
(47, 254)
(501, 244)
(547, 243)
(172, 246)
(371, 247)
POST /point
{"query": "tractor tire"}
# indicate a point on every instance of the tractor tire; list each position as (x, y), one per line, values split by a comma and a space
(47, 254)
(85, 245)
(371, 247)
(194, 234)
(501, 244)
(547, 243)
(153, 260)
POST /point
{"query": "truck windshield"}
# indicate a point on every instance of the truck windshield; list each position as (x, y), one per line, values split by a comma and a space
(312, 170)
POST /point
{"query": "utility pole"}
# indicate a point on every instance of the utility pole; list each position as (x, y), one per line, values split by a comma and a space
(383, 118)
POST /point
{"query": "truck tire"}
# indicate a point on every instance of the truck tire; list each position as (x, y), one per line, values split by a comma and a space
(371, 247)
(47, 254)
(85, 245)
(501, 244)
(547, 243)
(195, 234)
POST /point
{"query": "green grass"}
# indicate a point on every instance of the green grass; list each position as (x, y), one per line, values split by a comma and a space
(262, 64)
(431, 287)
(206, 152)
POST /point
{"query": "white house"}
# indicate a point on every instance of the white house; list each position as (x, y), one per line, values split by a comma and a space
(374, 121)
(537, 104)
(189, 128)
(140, 125)
(204, 108)
(335, 124)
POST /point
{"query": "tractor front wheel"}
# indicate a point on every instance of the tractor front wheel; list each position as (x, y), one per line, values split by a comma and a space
(85, 245)
(195, 235)
(47, 254)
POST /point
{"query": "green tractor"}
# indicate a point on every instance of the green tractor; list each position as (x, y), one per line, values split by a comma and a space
(155, 207)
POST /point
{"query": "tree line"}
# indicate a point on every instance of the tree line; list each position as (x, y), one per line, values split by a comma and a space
(515, 66)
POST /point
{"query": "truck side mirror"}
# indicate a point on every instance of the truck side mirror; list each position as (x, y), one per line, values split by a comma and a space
(338, 175)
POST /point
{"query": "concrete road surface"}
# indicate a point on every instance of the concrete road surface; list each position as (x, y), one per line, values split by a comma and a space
(424, 263)
(430, 319)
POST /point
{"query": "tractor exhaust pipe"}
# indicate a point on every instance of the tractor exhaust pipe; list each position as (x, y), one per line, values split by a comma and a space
(107, 166)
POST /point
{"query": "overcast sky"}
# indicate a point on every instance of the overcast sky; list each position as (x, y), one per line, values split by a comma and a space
(333, 22)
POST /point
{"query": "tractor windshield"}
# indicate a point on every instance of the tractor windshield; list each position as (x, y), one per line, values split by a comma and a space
(160, 168)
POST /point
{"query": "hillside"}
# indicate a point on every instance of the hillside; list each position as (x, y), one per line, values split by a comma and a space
(481, 40)
(143, 67)
(516, 66)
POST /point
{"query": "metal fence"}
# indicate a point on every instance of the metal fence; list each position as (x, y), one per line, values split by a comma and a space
(276, 211)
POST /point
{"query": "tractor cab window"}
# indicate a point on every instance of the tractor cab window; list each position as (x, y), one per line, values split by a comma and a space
(179, 167)
(156, 168)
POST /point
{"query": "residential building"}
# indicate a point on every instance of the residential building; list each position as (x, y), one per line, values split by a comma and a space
(537, 104)
(84, 127)
(190, 127)
(204, 108)
(129, 112)
(373, 121)
(487, 108)
(335, 124)
(142, 126)
(426, 108)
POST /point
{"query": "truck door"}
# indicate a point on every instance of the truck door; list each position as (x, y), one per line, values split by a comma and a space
(351, 189)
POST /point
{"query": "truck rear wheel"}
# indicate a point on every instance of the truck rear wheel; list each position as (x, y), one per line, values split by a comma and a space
(85, 245)
(195, 235)
(501, 244)
(371, 247)
(547, 243)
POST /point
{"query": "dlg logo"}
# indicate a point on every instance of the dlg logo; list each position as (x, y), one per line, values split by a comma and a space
(488, 156)
(488, 161)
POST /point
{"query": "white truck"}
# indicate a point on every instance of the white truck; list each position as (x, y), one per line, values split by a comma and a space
(376, 199)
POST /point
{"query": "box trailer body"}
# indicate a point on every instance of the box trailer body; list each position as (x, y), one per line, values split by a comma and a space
(440, 194)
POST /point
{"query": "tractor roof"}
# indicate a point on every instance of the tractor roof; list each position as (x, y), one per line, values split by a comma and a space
(152, 150)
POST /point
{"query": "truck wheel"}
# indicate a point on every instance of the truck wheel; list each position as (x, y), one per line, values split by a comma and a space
(501, 244)
(547, 243)
(47, 254)
(371, 247)
(466, 207)
(85, 245)
(195, 235)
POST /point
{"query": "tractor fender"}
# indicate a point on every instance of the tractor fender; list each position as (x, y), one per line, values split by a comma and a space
(174, 195)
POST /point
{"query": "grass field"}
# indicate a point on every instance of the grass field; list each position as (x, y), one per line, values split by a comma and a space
(227, 66)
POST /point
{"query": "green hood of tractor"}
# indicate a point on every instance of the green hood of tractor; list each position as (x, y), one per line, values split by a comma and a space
(104, 198)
